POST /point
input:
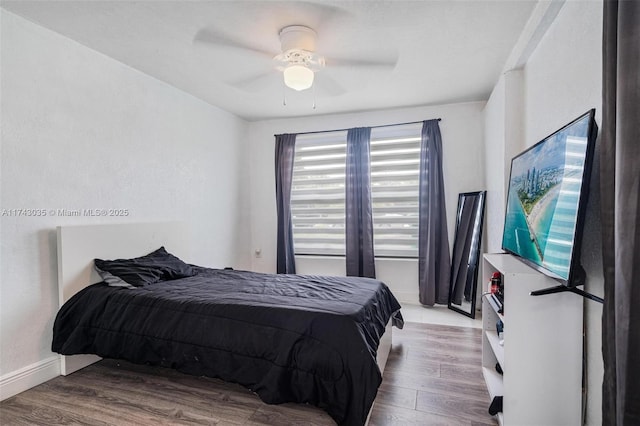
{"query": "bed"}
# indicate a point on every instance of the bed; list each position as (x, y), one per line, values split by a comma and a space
(288, 338)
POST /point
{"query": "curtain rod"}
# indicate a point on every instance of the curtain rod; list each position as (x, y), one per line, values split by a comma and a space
(373, 127)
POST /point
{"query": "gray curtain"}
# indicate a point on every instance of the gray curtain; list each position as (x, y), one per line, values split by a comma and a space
(620, 212)
(285, 150)
(359, 216)
(434, 261)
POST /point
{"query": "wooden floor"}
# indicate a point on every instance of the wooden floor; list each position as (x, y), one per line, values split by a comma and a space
(433, 377)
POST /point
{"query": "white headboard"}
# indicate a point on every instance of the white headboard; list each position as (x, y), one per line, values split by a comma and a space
(79, 245)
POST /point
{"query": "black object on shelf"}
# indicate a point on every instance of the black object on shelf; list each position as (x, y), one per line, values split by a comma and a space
(498, 302)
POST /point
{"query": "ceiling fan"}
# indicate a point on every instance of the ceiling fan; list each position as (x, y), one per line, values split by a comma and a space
(298, 60)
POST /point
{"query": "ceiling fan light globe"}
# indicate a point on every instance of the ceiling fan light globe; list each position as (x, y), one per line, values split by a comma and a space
(298, 77)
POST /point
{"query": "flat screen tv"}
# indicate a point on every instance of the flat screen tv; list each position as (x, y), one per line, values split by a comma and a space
(546, 201)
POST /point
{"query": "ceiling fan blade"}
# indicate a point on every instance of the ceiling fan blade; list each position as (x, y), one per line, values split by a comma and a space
(329, 85)
(212, 37)
(255, 83)
(370, 63)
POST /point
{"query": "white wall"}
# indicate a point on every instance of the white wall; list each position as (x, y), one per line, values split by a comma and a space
(82, 131)
(561, 80)
(495, 170)
(503, 139)
(463, 157)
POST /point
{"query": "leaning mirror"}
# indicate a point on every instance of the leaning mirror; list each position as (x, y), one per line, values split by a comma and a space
(466, 253)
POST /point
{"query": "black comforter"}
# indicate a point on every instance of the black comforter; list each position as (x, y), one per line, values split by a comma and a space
(289, 338)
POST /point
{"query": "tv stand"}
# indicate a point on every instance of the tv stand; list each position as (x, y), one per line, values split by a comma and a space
(563, 288)
(578, 279)
(541, 353)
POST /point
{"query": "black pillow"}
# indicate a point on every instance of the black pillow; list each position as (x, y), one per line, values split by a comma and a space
(152, 268)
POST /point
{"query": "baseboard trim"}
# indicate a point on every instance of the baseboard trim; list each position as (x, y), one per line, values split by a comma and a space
(27, 377)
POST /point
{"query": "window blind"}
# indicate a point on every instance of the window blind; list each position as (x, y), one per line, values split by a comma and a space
(395, 167)
(318, 191)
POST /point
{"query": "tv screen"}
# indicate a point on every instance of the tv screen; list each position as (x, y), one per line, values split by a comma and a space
(547, 195)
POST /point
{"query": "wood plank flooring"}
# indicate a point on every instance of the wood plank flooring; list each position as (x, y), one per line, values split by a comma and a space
(433, 377)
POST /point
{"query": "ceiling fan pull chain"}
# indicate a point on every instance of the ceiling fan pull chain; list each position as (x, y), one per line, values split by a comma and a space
(284, 95)
(313, 89)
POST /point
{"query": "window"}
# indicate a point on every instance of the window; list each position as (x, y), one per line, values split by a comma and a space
(395, 168)
(318, 191)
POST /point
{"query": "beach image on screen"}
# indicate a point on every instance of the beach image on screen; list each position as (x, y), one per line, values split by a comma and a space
(543, 199)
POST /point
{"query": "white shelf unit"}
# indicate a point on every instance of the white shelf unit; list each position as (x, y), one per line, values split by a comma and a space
(542, 353)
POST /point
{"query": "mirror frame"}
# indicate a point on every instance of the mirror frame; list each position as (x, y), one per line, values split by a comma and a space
(473, 257)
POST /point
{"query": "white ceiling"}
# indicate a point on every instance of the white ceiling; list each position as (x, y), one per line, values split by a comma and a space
(447, 51)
